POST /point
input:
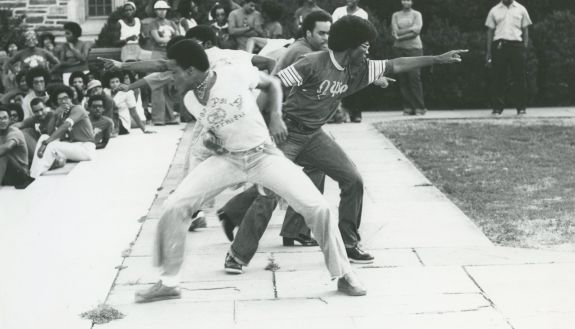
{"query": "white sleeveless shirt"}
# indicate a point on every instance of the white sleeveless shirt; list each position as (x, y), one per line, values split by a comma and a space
(127, 31)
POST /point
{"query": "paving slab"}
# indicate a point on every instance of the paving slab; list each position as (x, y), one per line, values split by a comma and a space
(491, 256)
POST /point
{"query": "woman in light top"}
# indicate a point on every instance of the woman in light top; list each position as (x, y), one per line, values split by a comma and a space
(406, 26)
(187, 9)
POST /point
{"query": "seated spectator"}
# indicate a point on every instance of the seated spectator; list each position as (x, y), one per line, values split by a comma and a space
(11, 48)
(245, 23)
(21, 89)
(73, 54)
(47, 41)
(32, 56)
(103, 126)
(228, 5)
(126, 103)
(9, 77)
(273, 31)
(16, 113)
(73, 138)
(127, 35)
(13, 154)
(95, 88)
(128, 78)
(36, 79)
(306, 7)
(188, 10)
(220, 27)
(77, 81)
(41, 123)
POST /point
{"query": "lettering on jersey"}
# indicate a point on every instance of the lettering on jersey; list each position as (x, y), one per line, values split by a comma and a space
(220, 112)
(334, 88)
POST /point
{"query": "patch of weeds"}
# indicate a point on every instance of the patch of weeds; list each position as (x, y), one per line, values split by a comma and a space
(102, 314)
(272, 265)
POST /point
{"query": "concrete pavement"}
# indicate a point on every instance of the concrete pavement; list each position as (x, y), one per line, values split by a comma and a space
(434, 268)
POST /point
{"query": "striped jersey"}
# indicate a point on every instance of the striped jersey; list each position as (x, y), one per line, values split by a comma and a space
(318, 83)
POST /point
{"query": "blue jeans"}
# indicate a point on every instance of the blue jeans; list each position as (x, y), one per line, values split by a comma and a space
(318, 153)
(262, 165)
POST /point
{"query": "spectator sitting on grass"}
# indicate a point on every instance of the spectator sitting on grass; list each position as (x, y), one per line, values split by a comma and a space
(245, 23)
(305, 9)
(73, 54)
(102, 125)
(73, 138)
(47, 41)
(13, 154)
(221, 28)
(16, 113)
(36, 79)
(126, 103)
(187, 10)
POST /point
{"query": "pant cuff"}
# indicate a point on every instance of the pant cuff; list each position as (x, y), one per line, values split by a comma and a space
(236, 258)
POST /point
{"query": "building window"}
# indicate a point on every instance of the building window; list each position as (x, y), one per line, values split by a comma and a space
(99, 8)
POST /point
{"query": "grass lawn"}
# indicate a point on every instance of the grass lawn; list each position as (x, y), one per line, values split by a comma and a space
(514, 178)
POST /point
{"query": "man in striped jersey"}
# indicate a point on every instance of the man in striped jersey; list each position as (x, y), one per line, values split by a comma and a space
(318, 81)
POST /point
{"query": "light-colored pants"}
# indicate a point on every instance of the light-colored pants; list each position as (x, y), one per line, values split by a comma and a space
(266, 166)
(76, 151)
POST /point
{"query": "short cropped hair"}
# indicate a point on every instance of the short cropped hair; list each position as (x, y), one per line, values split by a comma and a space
(203, 33)
(309, 21)
(36, 72)
(74, 28)
(36, 101)
(174, 40)
(350, 32)
(96, 98)
(77, 74)
(188, 53)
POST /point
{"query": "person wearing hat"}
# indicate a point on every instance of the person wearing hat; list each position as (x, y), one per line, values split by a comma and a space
(162, 31)
(127, 34)
(95, 88)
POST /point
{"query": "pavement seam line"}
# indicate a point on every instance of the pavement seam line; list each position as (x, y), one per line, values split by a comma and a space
(484, 295)
(418, 257)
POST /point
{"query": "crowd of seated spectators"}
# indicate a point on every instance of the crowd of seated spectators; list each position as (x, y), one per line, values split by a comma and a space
(53, 109)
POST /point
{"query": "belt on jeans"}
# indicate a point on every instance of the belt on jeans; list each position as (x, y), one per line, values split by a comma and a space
(503, 42)
(253, 150)
(295, 123)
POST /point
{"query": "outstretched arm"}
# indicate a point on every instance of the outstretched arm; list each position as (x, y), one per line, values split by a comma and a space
(159, 65)
(405, 64)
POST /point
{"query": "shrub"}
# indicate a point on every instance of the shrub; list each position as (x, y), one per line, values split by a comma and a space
(554, 39)
(13, 27)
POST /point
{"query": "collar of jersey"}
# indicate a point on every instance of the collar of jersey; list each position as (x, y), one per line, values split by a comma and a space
(334, 61)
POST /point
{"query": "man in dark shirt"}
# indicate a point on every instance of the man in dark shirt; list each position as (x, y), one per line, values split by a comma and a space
(73, 138)
(102, 125)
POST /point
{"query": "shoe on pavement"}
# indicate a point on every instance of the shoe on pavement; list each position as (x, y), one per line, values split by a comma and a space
(157, 292)
(227, 225)
(232, 266)
(304, 240)
(358, 256)
(198, 221)
(350, 285)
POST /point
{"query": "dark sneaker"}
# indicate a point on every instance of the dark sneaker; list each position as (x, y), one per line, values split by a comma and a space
(227, 225)
(350, 285)
(231, 266)
(521, 112)
(198, 221)
(358, 256)
(157, 292)
(304, 240)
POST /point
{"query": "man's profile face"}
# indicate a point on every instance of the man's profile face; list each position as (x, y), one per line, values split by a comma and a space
(184, 78)
(97, 108)
(39, 111)
(4, 120)
(319, 36)
(359, 54)
(39, 84)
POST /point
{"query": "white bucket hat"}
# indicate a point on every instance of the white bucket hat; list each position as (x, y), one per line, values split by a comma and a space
(161, 5)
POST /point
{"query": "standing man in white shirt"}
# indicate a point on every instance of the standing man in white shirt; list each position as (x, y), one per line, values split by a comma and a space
(507, 40)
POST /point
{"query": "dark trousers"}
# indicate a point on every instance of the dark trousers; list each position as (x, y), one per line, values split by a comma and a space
(508, 57)
(11, 173)
(410, 84)
(319, 153)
